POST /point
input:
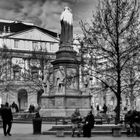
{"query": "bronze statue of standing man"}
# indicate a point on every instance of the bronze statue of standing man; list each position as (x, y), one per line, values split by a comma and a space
(66, 19)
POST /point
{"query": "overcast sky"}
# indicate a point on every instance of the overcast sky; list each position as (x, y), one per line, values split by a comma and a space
(46, 13)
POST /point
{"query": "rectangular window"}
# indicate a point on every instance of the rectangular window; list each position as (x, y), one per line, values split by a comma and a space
(16, 42)
(34, 74)
(50, 46)
(35, 46)
(16, 75)
(43, 46)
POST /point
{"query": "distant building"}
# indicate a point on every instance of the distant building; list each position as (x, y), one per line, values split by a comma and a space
(25, 50)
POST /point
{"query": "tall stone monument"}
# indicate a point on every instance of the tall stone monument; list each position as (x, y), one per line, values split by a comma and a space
(65, 95)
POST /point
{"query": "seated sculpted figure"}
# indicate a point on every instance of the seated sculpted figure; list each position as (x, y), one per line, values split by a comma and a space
(60, 79)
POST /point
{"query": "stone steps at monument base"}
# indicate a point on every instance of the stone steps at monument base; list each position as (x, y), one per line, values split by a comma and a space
(93, 133)
(97, 130)
(96, 127)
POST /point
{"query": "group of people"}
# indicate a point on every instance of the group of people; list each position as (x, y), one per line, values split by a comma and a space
(7, 116)
(132, 122)
(14, 107)
(32, 108)
(103, 110)
(6, 113)
(82, 124)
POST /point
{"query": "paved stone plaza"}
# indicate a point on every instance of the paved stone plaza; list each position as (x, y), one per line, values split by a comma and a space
(24, 132)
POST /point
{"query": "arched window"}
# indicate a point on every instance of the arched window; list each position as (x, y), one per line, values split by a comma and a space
(40, 92)
(22, 99)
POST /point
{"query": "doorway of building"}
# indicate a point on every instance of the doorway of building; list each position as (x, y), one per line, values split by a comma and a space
(22, 99)
(40, 92)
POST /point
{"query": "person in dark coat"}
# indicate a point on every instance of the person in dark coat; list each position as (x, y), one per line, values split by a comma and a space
(89, 124)
(129, 122)
(7, 119)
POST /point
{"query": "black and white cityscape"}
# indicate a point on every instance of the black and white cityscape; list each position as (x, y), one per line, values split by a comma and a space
(69, 68)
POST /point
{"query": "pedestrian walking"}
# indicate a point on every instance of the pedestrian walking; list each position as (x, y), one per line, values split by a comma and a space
(7, 119)
(88, 125)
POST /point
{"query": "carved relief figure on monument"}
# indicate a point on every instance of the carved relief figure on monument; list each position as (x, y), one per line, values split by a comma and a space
(51, 79)
(86, 80)
(71, 79)
(66, 20)
(60, 79)
(46, 80)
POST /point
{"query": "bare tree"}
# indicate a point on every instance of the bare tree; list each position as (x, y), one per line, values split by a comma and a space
(5, 71)
(5, 66)
(33, 76)
(112, 40)
(132, 82)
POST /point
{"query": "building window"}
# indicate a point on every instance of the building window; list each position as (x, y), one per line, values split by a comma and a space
(43, 47)
(35, 46)
(16, 72)
(51, 46)
(34, 72)
(16, 43)
(34, 75)
(16, 75)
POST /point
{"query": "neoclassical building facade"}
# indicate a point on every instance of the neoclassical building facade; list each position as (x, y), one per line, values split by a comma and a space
(25, 51)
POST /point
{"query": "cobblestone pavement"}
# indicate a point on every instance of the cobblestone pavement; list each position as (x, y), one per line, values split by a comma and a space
(25, 132)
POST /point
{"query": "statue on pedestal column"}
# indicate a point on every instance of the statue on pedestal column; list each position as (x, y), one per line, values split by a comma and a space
(66, 20)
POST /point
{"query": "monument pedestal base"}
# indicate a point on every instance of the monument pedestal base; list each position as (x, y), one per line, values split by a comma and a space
(64, 106)
(61, 112)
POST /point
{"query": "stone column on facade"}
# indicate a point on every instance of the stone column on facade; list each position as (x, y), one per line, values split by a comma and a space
(29, 66)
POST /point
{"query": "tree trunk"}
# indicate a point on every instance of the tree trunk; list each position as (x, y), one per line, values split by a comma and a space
(117, 119)
(132, 101)
(117, 110)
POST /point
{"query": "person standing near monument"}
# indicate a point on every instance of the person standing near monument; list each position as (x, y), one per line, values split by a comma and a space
(66, 20)
(7, 119)
(76, 119)
(88, 125)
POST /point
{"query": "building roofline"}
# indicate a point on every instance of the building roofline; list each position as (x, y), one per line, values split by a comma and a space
(34, 27)
(17, 26)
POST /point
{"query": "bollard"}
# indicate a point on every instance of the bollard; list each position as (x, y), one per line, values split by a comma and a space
(37, 123)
